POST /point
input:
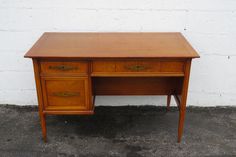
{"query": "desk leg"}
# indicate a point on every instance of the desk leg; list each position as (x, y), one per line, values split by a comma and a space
(43, 126)
(183, 99)
(168, 102)
(40, 99)
(181, 124)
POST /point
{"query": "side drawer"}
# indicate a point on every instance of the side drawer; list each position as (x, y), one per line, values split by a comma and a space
(67, 94)
(64, 67)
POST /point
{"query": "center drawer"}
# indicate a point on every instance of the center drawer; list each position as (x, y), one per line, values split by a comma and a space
(138, 66)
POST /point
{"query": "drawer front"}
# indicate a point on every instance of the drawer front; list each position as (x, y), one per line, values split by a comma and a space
(138, 66)
(74, 67)
(122, 66)
(172, 66)
(103, 66)
(65, 93)
(126, 66)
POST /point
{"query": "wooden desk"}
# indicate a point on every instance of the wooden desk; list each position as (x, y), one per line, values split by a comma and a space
(72, 68)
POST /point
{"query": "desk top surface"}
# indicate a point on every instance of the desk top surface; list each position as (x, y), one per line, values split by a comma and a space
(112, 45)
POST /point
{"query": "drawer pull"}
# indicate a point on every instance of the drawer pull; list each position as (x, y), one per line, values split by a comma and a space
(66, 94)
(136, 67)
(63, 67)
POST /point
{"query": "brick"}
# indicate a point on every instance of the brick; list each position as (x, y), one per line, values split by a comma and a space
(26, 19)
(210, 22)
(124, 20)
(209, 25)
(211, 5)
(10, 80)
(17, 41)
(213, 74)
(132, 100)
(15, 62)
(211, 99)
(18, 97)
(98, 4)
(222, 44)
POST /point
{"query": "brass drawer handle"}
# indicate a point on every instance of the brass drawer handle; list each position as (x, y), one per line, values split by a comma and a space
(63, 67)
(136, 67)
(65, 94)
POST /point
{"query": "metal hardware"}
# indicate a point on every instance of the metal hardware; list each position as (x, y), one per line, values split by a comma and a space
(65, 94)
(63, 67)
(136, 67)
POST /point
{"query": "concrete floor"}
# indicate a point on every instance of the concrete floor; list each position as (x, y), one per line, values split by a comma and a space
(145, 131)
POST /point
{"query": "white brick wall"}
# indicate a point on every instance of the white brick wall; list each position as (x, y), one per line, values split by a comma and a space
(209, 25)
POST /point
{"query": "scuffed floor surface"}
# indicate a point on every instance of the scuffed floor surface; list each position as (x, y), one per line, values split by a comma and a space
(127, 131)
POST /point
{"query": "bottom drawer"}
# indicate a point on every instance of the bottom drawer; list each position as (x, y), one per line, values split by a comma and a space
(65, 94)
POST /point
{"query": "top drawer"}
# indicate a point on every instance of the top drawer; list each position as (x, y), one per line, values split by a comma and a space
(139, 67)
(64, 67)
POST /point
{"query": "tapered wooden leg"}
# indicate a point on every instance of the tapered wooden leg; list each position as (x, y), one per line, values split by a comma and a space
(184, 93)
(40, 99)
(168, 102)
(181, 123)
(43, 126)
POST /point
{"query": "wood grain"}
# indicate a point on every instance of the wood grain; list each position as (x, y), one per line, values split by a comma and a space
(65, 93)
(183, 100)
(138, 67)
(40, 98)
(112, 45)
(64, 67)
(136, 85)
(72, 68)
